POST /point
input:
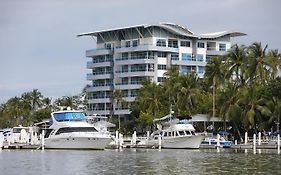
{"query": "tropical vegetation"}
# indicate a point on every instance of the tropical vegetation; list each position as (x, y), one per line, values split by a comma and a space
(241, 86)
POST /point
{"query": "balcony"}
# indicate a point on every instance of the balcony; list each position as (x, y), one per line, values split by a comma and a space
(142, 60)
(127, 85)
(91, 65)
(134, 73)
(145, 47)
(188, 63)
(91, 76)
(106, 87)
(214, 51)
(96, 52)
(99, 100)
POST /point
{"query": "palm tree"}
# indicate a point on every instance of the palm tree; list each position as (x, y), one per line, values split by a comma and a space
(171, 84)
(118, 98)
(275, 107)
(188, 94)
(215, 73)
(254, 106)
(275, 61)
(259, 64)
(236, 60)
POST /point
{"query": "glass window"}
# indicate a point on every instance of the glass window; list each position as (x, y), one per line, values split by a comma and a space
(201, 70)
(175, 56)
(161, 43)
(181, 133)
(208, 58)
(108, 46)
(162, 54)
(135, 43)
(173, 43)
(185, 43)
(222, 47)
(128, 44)
(160, 79)
(199, 57)
(200, 45)
(67, 116)
(75, 129)
(186, 56)
(162, 67)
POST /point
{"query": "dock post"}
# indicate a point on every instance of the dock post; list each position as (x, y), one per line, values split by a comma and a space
(278, 144)
(147, 135)
(246, 138)
(159, 142)
(134, 138)
(218, 140)
(43, 139)
(259, 141)
(235, 142)
(116, 139)
(254, 144)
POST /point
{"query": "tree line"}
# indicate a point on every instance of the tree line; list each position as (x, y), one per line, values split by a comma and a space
(32, 107)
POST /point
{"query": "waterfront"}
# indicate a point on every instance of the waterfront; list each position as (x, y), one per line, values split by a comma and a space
(139, 161)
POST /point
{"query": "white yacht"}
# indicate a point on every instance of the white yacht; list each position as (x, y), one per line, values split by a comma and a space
(175, 134)
(69, 130)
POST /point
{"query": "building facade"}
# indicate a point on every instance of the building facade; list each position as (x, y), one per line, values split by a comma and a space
(123, 57)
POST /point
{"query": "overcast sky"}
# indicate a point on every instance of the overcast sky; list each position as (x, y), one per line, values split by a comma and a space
(39, 48)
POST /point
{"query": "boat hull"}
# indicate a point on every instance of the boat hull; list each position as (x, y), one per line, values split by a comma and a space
(77, 143)
(182, 142)
(192, 142)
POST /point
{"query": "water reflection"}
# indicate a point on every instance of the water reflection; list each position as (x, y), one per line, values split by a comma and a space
(140, 161)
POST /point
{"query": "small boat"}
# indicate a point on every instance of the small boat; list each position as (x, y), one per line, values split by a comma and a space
(69, 130)
(221, 141)
(175, 134)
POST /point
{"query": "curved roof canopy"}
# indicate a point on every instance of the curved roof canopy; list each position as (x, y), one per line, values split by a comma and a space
(173, 28)
(221, 34)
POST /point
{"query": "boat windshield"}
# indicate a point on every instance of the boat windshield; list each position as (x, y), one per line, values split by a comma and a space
(69, 116)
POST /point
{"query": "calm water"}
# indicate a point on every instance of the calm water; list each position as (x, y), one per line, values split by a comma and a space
(141, 161)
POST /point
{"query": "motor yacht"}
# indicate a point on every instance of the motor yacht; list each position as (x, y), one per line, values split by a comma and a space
(69, 130)
(175, 133)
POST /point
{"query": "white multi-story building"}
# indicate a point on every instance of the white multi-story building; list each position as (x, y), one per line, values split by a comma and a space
(125, 56)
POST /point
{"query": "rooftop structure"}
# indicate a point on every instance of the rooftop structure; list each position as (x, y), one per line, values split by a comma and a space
(123, 57)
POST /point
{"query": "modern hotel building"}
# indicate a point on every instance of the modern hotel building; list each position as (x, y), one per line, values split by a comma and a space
(123, 57)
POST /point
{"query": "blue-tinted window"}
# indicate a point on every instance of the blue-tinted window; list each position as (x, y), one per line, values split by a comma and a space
(222, 47)
(201, 70)
(67, 116)
(199, 57)
(185, 69)
(186, 56)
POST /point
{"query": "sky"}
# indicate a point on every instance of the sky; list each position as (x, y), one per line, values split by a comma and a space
(39, 47)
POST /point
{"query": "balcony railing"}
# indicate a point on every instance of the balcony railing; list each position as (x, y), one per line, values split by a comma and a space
(135, 58)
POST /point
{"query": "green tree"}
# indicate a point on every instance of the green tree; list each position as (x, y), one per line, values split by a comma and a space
(259, 64)
(215, 73)
(236, 61)
(118, 98)
(188, 94)
(254, 106)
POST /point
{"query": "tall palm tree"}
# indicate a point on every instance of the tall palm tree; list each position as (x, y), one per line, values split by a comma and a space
(275, 61)
(215, 72)
(188, 94)
(118, 98)
(171, 84)
(254, 106)
(259, 64)
(236, 60)
(275, 106)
